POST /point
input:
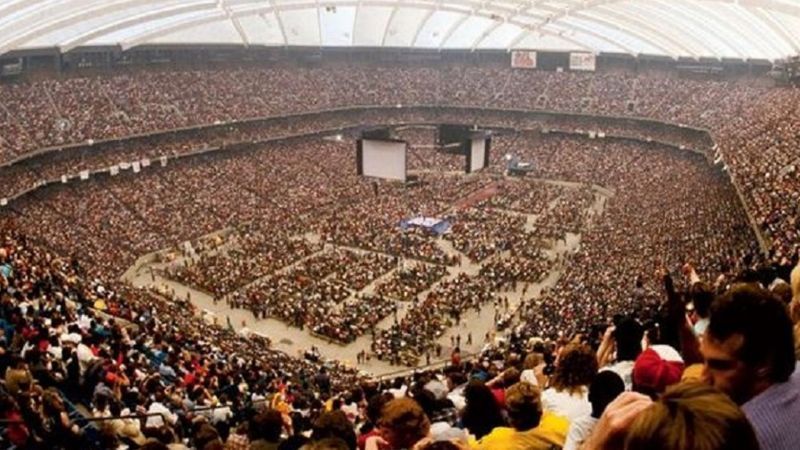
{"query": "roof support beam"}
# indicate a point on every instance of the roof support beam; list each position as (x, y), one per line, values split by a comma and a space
(631, 18)
(769, 36)
(453, 29)
(277, 12)
(421, 26)
(76, 41)
(778, 29)
(280, 26)
(355, 22)
(628, 30)
(557, 14)
(236, 24)
(319, 22)
(688, 24)
(753, 36)
(489, 30)
(527, 32)
(67, 18)
(389, 23)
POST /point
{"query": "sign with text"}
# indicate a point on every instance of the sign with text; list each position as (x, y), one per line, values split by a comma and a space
(523, 59)
(582, 61)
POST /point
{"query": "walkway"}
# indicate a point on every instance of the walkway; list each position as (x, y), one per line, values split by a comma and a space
(294, 341)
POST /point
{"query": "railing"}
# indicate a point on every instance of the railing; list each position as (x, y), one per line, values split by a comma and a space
(306, 114)
(436, 365)
(763, 242)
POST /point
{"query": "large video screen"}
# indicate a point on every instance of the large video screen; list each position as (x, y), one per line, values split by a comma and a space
(383, 159)
(477, 160)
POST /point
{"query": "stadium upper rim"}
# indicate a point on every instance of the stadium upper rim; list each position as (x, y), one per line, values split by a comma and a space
(739, 29)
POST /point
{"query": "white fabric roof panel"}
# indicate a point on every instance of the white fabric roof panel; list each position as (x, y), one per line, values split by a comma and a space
(370, 25)
(767, 29)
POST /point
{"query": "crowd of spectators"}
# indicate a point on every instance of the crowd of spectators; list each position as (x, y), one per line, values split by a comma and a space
(615, 321)
(72, 339)
(415, 336)
(180, 383)
(407, 282)
(106, 223)
(480, 233)
(301, 300)
(759, 153)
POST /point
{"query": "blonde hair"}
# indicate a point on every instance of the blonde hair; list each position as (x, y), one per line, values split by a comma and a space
(532, 360)
(692, 416)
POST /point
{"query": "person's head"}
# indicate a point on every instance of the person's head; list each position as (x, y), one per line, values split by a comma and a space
(205, 434)
(532, 360)
(403, 423)
(605, 387)
(295, 442)
(52, 404)
(702, 294)
(691, 416)
(375, 405)
(749, 343)
(524, 405)
(266, 426)
(154, 445)
(656, 368)
(331, 443)
(628, 337)
(576, 367)
(482, 412)
(334, 424)
(510, 377)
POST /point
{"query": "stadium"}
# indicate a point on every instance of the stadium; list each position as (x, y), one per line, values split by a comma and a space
(400, 224)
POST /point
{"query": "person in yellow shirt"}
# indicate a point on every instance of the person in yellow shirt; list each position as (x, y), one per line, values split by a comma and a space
(530, 428)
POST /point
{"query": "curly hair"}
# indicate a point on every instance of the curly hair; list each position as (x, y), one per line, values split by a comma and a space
(405, 422)
(576, 367)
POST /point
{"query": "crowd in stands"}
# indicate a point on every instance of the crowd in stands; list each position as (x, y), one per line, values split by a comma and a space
(508, 272)
(406, 341)
(51, 166)
(69, 339)
(248, 259)
(407, 282)
(57, 111)
(114, 220)
(612, 356)
(79, 375)
(480, 233)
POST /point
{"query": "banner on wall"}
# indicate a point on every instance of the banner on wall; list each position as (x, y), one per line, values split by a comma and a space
(3, 201)
(114, 170)
(137, 167)
(64, 179)
(523, 59)
(146, 162)
(163, 160)
(582, 61)
(84, 174)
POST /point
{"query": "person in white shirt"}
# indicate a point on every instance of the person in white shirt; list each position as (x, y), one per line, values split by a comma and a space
(158, 407)
(605, 387)
(621, 344)
(567, 395)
